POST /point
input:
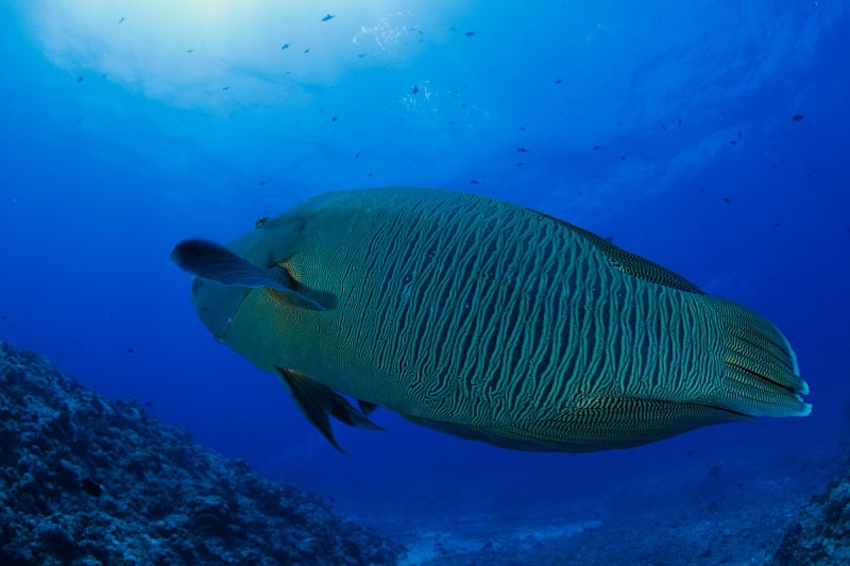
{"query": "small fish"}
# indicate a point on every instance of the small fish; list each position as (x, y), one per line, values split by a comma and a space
(522, 150)
(328, 18)
(733, 142)
(356, 155)
(680, 121)
(92, 488)
(473, 182)
(131, 351)
(284, 46)
(596, 148)
(727, 200)
(306, 51)
(225, 88)
(261, 183)
(190, 51)
(335, 118)
(415, 89)
(519, 163)
(622, 158)
(469, 34)
(558, 81)
(121, 21)
(80, 79)
(797, 117)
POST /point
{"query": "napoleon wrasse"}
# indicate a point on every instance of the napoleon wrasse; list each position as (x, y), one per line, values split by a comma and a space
(485, 320)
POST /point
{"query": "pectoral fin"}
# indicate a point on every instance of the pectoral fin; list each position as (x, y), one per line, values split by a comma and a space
(208, 260)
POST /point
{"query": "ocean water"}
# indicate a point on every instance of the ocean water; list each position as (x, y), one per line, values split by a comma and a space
(710, 137)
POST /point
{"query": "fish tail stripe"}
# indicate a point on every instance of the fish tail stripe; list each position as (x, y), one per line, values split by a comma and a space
(760, 374)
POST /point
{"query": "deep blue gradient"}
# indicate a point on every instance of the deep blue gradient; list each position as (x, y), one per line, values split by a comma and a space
(665, 125)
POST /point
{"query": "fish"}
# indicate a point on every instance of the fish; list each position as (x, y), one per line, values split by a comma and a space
(485, 320)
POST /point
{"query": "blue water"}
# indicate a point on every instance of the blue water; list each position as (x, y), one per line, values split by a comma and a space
(668, 126)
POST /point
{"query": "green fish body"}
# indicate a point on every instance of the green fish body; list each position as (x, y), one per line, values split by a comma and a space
(485, 320)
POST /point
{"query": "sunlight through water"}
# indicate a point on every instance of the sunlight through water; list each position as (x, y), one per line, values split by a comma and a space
(262, 51)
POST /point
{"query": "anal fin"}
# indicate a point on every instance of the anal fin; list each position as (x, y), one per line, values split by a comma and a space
(597, 423)
(601, 423)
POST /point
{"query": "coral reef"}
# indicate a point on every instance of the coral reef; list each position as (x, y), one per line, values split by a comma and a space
(821, 533)
(87, 481)
(696, 512)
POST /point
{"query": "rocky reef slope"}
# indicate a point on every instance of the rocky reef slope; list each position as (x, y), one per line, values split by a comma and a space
(821, 533)
(86, 481)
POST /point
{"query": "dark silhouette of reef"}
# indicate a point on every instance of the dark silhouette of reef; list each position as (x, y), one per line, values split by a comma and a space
(821, 533)
(87, 481)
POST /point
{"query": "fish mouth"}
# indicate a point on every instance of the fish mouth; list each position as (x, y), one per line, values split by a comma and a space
(217, 304)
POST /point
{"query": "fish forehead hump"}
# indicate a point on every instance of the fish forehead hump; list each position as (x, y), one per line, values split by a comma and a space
(331, 219)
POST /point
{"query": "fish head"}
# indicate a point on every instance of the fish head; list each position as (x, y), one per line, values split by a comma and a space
(217, 304)
(221, 284)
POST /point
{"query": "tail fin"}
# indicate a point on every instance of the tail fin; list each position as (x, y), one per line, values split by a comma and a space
(761, 372)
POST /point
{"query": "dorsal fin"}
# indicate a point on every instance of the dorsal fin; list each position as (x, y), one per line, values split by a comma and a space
(214, 262)
(630, 263)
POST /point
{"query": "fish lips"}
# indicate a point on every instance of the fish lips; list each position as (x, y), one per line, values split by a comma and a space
(216, 304)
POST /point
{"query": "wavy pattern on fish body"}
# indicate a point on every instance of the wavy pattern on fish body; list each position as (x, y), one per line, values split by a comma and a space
(498, 323)
(506, 307)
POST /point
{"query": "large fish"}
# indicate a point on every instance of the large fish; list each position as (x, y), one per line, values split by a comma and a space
(485, 320)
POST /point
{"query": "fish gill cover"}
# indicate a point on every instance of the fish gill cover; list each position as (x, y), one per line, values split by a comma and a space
(710, 137)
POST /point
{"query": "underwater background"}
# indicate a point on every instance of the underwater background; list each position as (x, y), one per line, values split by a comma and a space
(712, 137)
